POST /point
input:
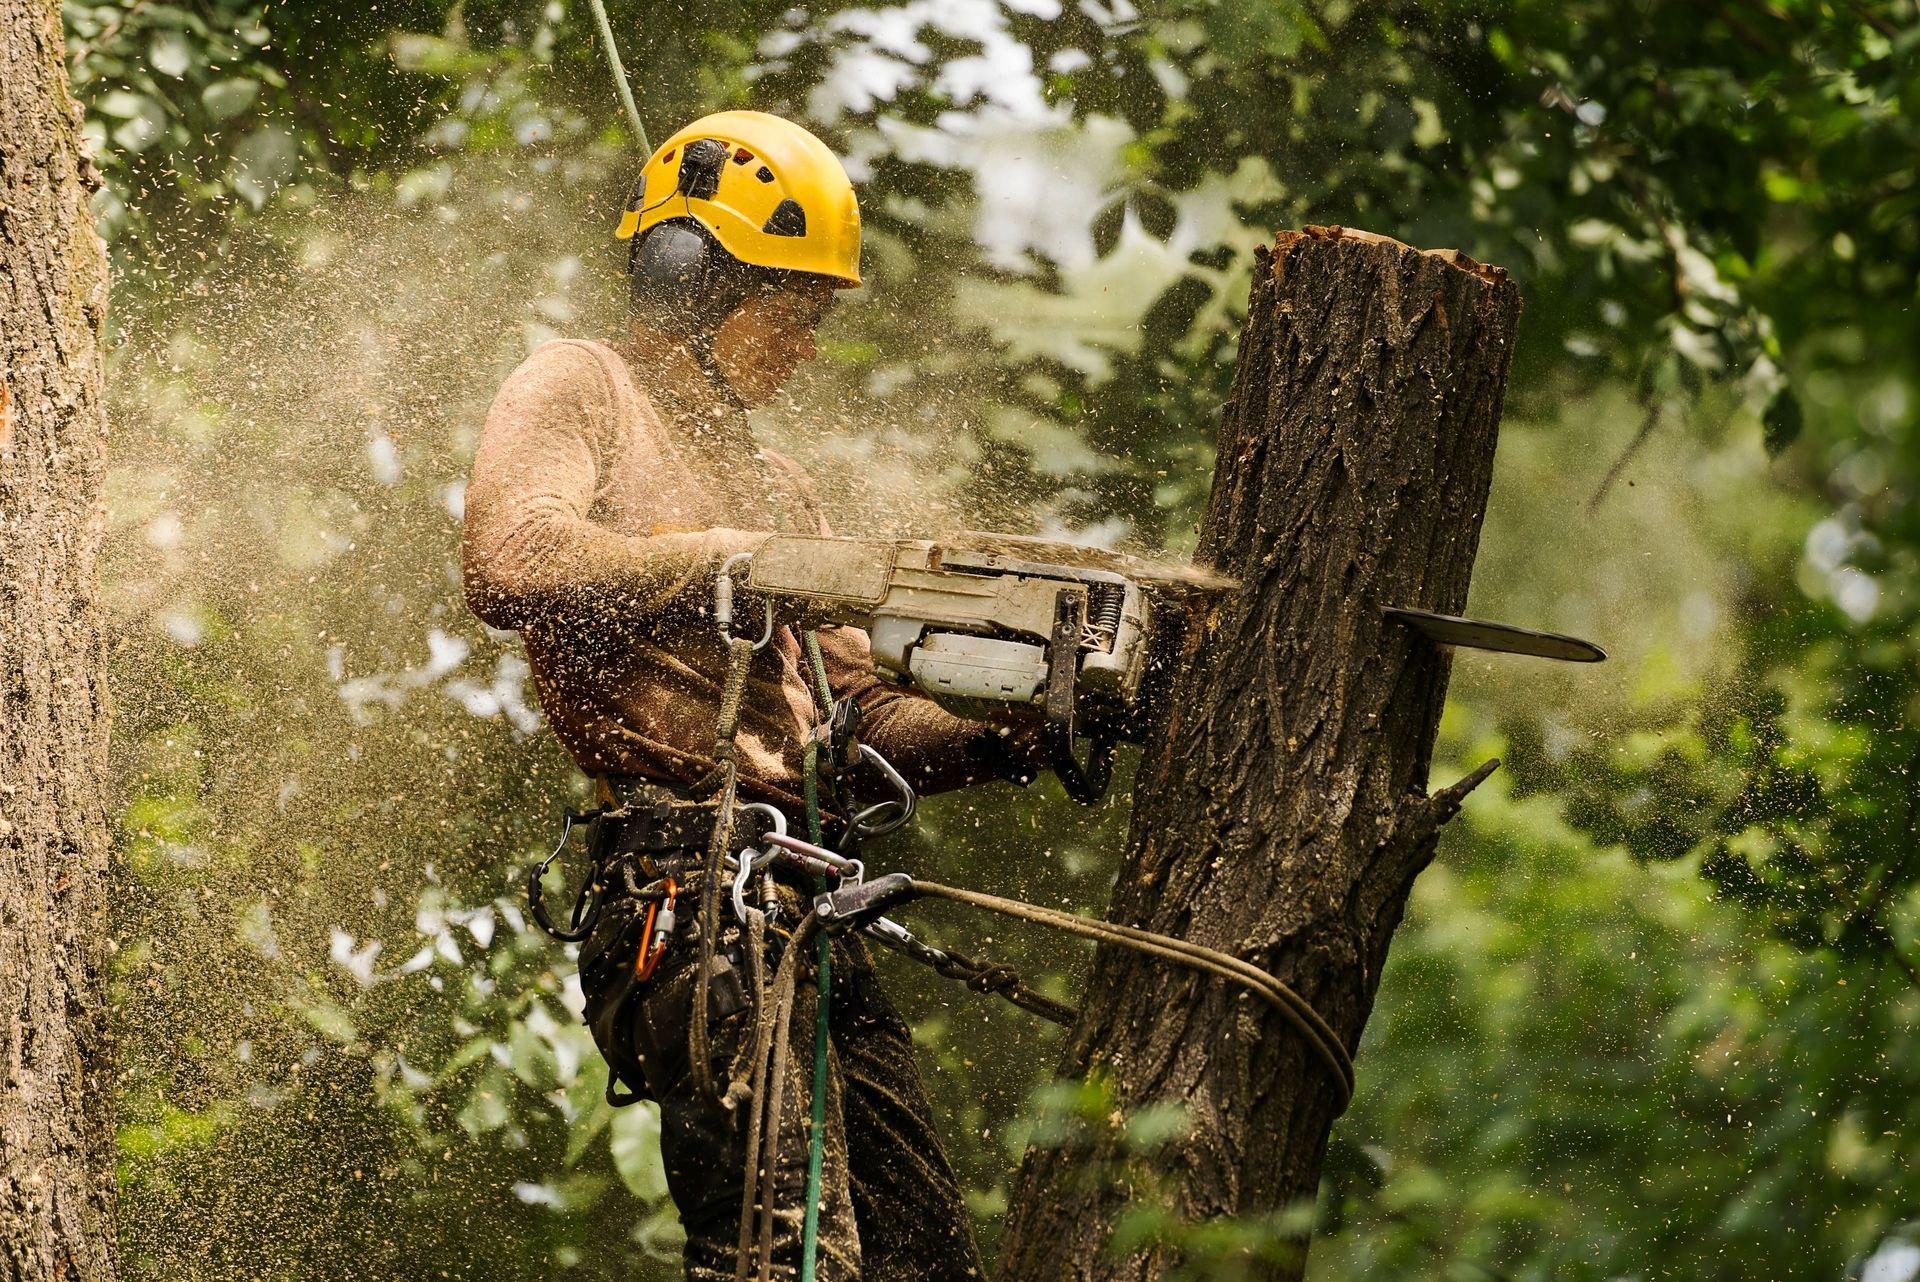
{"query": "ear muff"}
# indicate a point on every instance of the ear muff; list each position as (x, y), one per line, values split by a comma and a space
(681, 281)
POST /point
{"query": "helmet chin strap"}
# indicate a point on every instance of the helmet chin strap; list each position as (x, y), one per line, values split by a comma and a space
(702, 347)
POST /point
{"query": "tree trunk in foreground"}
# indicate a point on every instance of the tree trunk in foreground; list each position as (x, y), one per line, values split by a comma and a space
(1281, 810)
(56, 1120)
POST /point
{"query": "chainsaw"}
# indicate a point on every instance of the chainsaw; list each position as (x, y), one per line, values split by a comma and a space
(1086, 635)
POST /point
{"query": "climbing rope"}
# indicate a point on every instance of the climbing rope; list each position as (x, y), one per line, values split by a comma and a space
(724, 781)
(817, 1137)
(1295, 1009)
(620, 84)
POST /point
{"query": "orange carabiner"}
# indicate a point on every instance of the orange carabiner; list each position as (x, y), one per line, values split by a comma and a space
(656, 934)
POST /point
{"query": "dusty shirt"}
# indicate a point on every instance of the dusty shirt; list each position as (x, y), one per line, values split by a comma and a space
(595, 525)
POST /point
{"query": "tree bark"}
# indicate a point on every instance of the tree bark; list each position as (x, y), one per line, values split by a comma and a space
(56, 1118)
(1281, 811)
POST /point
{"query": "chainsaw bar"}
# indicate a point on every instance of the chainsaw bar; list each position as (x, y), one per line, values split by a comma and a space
(1503, 638)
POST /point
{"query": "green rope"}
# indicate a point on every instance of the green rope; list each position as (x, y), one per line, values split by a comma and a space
(620, 76)
(817, 1139)
(819, 664)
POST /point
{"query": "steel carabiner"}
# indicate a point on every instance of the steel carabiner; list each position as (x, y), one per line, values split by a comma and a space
(723, 602)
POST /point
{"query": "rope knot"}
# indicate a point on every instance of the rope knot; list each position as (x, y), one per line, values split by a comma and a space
(994, 977)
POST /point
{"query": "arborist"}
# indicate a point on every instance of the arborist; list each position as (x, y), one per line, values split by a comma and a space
(615, 484)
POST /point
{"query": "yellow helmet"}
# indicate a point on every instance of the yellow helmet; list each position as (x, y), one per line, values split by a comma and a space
(769, 191)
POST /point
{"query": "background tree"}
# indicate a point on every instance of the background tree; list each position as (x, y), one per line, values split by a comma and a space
(56, 1111)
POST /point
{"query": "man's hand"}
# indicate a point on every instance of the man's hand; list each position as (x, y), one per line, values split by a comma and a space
(1012, 744)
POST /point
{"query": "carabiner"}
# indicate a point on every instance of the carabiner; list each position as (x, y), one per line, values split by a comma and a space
(657, 933)
(860, 828)
(723, 602)
(749, 859)
(586, 904)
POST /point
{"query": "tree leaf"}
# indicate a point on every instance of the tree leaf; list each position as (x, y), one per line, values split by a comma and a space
(1106, 226)
(634, 1140)
(1157, 214)
(587, 1102)
(225, 99)
(487, 1107)
(170, 54)
(1782, 421)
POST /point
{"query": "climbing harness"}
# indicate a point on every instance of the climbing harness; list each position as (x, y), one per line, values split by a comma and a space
(843, 899)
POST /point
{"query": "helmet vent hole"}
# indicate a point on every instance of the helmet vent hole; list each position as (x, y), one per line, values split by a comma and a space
(764, 174)
(787, 219)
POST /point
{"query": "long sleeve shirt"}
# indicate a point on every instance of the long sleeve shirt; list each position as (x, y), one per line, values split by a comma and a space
(595, 524)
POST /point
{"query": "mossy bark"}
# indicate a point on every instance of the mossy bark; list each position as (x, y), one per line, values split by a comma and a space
(1281, 810)
(56, 1114)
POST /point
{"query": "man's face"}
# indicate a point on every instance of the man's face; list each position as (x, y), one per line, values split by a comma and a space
(766, 338)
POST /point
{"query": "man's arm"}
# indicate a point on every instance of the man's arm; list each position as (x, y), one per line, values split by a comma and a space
(530, 553)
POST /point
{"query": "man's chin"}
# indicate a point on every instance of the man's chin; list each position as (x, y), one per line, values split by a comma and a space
(757, 393)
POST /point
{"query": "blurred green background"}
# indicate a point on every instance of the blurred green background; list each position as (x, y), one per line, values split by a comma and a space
(1654, 1011)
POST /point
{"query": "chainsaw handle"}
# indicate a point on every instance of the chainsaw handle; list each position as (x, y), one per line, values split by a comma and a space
(1085, 784)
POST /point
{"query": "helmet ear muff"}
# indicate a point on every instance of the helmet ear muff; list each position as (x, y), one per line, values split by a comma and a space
(680, 280)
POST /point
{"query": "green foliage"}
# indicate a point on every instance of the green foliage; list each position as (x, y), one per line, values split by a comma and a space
(1651, 1014)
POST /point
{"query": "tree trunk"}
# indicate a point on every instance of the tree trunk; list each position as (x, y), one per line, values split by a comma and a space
(1281, 810)
(56, 1117)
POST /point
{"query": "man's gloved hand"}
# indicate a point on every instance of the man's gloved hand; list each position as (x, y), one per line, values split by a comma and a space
(1012, 745)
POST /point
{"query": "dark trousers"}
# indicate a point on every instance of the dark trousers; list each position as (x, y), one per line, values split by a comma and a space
(891, 1210)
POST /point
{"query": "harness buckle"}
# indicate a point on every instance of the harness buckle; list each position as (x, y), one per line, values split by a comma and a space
(853, 906)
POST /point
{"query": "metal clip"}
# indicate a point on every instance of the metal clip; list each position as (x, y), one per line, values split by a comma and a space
(586, 905)
(654, 946)
(723, 602)
(851, 907)
(750, 859)
(863, 827)
(818, 860)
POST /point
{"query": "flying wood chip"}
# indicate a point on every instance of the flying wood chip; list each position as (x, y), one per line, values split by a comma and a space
(1503, 638)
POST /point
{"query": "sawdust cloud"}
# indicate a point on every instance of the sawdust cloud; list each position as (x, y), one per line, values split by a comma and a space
(331, 776)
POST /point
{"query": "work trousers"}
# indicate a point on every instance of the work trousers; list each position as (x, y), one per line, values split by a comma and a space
(891, 1209)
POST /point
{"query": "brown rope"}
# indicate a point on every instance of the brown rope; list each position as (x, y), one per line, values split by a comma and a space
(766, 1176)
(699, 1037)
(1292, 1007)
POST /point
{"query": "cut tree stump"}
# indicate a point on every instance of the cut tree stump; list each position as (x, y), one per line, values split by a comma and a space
(1281, 809)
